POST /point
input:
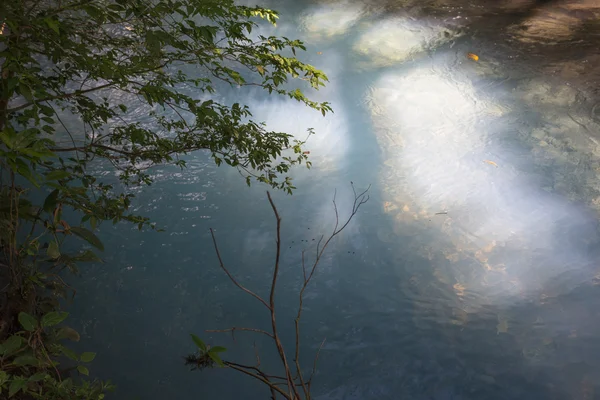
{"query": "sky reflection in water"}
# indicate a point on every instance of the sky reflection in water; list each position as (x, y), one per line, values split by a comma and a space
(472, 272)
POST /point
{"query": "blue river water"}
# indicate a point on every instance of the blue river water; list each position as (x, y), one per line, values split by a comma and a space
(472, 272)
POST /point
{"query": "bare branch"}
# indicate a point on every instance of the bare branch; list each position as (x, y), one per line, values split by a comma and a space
(312, 374)
(276, 383)
(303, 266)
(240, 329)
(257, 356)
(259, 376)
(278, 344)
(359, 200)
(235, 282)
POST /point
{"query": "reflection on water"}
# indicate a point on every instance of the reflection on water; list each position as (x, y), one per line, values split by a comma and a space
(473, 272)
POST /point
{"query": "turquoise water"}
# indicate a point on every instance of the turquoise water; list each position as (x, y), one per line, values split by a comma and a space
(471, 273)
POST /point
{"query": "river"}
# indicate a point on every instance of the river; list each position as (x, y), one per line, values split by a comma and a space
(472, 272)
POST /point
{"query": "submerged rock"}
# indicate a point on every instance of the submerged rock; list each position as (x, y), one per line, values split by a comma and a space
(331, 20)
(396, 40)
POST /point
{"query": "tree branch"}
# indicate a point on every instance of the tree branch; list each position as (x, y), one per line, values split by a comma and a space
(260, 377)
(278, 344)
(57, 97)
(232, 330)
(235, 282)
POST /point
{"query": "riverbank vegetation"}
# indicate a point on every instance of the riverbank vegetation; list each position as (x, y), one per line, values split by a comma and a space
(71, 74)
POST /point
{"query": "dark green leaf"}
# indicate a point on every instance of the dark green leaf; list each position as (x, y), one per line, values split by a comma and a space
(83, 370)
(3, 378)
(57, 174)
(52, 24)
(27, 321)
(87, 357)
(217, 349)
(26, 359)
(25, 91)
(215, 357)
(69, 353)
(16, 385)
(54, 318)
(68, 333)
(50, 202)
(53, 251)
(87, 256)
(12, 344)
(199, 342)
(88, 236)
(38, 377)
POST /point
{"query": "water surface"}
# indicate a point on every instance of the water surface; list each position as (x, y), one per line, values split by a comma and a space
(472, 272)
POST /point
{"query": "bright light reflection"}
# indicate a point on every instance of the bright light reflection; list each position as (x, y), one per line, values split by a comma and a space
(441, 165)
(331, 20)
(397, 40)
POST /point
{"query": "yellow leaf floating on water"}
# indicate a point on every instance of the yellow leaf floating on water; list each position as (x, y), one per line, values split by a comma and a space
(473, 56)
(502, 326)
(491, 163)
(319, 52)
(459, 289)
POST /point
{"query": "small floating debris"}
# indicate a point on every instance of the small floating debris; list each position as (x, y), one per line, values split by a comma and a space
(473, 56)
(491, 163)
(502, 326)
(319, 52)
(441, 213)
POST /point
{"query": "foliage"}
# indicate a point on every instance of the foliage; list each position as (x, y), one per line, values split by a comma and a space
(70, 72)
(29, 366)
(206, 356)
(292, 383)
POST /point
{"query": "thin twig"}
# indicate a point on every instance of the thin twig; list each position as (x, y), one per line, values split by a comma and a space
(303, 266)
(240, 329)
(235, 282)
(264, 380)
(257, 356)
(359, 200)
(315, 364)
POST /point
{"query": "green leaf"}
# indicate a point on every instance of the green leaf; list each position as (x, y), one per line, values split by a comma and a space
(69, 353)
(215, 357)
(16, 385)
(27, 321)
(87, 256)
(88, 236)
(217, 349)
(54, 318)
(26, 359)
(68, 333)
(52, 251)
(38, 377)
(57, 174)
(50, 202)
(46, 110)
(87, 357)
(3, 378)
(12, 344)
(83, 370)
(52, 24)
(201, 345)
(25, 91)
